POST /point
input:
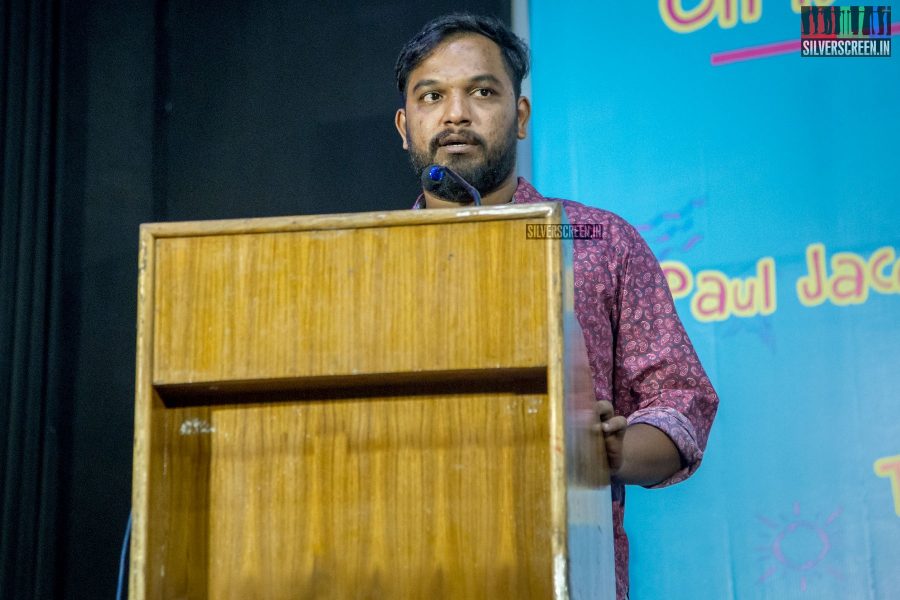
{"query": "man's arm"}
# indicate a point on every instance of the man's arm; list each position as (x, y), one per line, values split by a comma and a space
(660, 385)
(639, 454)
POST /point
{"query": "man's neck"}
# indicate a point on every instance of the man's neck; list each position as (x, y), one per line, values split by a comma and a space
(501, 195)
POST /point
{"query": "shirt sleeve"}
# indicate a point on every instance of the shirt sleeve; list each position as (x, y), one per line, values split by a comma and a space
(656, 368)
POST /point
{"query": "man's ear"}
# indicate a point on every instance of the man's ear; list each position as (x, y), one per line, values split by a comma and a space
(523, 112)
(400, 124)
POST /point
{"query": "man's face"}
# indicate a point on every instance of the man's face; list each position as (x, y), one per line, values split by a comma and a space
(461, 112)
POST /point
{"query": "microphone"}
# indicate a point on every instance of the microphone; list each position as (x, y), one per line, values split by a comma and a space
(447, 183)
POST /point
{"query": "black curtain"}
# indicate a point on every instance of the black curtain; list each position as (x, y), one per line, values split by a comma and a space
(30, 280)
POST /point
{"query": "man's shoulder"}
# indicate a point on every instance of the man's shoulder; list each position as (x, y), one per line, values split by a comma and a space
(580, 213)
(592, 214)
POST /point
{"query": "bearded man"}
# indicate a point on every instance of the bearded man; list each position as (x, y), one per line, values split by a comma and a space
(460, 79)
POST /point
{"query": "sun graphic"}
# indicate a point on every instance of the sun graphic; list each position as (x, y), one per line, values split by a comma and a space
(800, 547)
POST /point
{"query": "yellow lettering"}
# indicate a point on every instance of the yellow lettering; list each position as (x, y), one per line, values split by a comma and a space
(751, 11)
(851, 276)
(766, 270)
(754, 295)
(877, 262)
(811, 288)
(679, 277)
(743, 297)
(710, 303)
(680, 20)
(889, 467)
(687, 20)
(848, 284)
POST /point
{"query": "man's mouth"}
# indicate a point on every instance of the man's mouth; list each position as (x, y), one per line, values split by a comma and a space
(455, 143)
(458, 148)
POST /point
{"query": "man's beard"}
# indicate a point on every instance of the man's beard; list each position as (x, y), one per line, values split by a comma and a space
(485, 175)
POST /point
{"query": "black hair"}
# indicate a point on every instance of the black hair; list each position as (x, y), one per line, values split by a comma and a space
(417, 49)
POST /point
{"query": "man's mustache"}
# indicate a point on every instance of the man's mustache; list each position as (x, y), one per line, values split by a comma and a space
(456, 137)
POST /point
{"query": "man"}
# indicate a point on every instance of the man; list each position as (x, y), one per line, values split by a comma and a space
(460, 78)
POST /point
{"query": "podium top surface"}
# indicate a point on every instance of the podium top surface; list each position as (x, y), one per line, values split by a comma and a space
(538, 210)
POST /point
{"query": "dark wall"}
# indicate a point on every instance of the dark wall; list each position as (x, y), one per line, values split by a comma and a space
(201, 110)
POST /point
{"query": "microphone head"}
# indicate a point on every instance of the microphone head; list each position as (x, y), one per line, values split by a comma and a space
(435, 173)
(436, 181)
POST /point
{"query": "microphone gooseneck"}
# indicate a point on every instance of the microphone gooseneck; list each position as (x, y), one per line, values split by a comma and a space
(447, 183)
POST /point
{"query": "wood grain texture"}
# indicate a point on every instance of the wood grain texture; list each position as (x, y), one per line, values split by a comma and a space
(405, 497)
(354, 406)
(369, 300)
(143, 420)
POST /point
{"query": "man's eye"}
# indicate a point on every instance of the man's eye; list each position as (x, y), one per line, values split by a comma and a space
(431, 97)
(483, 92)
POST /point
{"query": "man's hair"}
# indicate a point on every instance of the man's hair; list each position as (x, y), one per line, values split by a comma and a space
(513, 49)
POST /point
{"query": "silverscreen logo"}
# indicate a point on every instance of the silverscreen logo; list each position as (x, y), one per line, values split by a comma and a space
(567, 231)
(845, 31)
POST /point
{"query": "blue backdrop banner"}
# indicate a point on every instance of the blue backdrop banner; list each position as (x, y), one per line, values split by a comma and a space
(766, 183)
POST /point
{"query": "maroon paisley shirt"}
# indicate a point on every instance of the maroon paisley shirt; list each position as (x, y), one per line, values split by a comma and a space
(640, 356)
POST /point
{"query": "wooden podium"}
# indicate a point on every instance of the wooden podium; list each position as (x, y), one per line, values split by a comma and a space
(380, 405)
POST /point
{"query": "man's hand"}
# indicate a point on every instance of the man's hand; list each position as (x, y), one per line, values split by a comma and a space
(612, 427)
(638, 454)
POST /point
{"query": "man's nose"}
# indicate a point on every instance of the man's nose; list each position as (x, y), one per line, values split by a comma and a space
(457, 111)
